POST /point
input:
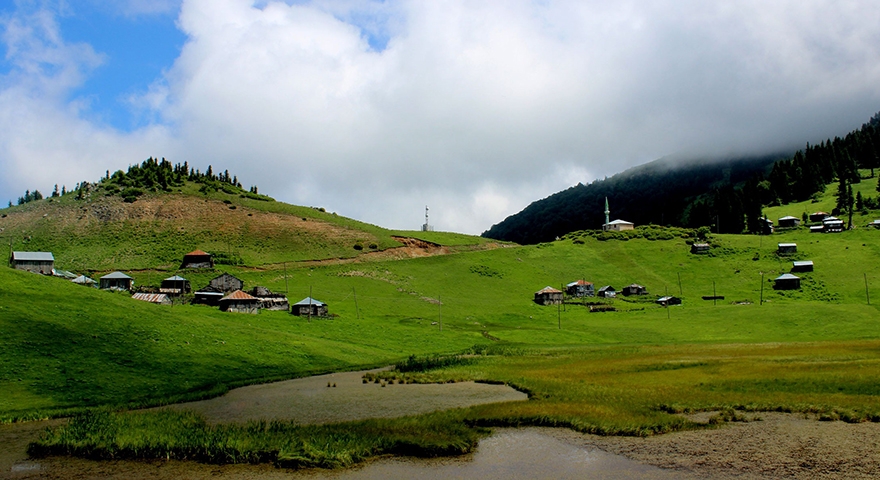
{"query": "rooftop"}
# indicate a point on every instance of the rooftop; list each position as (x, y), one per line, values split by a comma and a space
(33, 256)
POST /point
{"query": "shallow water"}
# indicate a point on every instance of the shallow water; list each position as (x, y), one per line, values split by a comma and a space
(310, 401)
(527, 453)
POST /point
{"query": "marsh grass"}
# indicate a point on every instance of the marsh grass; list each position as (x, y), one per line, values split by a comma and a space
(186, 436)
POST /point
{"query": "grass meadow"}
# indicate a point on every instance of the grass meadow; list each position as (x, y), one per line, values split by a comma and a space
(73, 350)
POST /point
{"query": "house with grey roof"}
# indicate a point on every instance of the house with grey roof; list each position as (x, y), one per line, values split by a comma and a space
(309, 307)
(116, 281)
(35, 262)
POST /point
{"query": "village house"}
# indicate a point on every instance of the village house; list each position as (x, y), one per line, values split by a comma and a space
(309, 307)
(700, 248)
(240, 302)
(197, 259)
(832, 225)
(817, 216)
(875, 224)
(548, 296)
(618, 226)
(787, 281)
(766, 226)
(634, 289)
(668, 300)
(802, 266)
(580, 288)
(157, 298)
(216, 289)
(817, 228)
(175, 286)
(34, 262)
(786, 248)
(270, 300)
(116, 281)
(84, 280)
(607, 292)
(789, 222)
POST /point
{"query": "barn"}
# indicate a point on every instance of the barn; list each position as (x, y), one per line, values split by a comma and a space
(700, 248)
(270, 300)
(240, 302)
(607, 292)
(175, 286)
(35, 262)
(634, 289)
(789, 222)
(116, 281)
(580, 288)
(832, 225)
(157, 298)
(787, 281)
(197, 259)
(818, 216)
(802, 266)
(668, 300)
(309, 307)
(226, 283)
(786, 248)
(548, 296)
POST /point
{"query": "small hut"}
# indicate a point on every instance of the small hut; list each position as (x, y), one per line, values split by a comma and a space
(116, 281)
(817, 228)
(668, 300)
(634, 289)
(207, 296)
(607, 292)
(875, 224)
(197, 259)
(766, 226)
(270, 300)
(309, 306)
(787, 281)
(618, 226)
(802, 266)
(548, 296)
(818, 216)
(34, 262)
(789, 222)
(157, 298)
(84, 280)
(786, 248)
(580, 288)
(700, 248)
(240, 302)
(175, 286)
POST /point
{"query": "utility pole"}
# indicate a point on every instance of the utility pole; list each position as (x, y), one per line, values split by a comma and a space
(762, 288)
(356, 309)
(440, 313)
(310, 304)
(680, 294)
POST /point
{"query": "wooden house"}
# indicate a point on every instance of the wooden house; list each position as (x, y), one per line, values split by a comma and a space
(580, 288)
(548, 296)
(175, 286)
(270, 300)
(197, 259)
(116, 281)
(157, 298)
(309, 306)
(786, 248)
(817, 216)
(668, 300)
(607, 292)
(789, 222)
(787, 281)
(226, 283)
(35, 262)
(700, 248)
(634, 289)
(802, 266)
(84, 280)
(875, 224)
(832, 225)
(766, 226)
(240, 302)
(618, 226)
(207, 296)
(817, 228)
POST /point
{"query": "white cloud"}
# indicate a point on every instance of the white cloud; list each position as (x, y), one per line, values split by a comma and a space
(475, 108)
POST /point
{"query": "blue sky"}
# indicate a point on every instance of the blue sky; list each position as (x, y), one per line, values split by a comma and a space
(374, 109)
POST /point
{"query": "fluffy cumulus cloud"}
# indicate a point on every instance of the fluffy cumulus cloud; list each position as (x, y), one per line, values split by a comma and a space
(375, 109)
